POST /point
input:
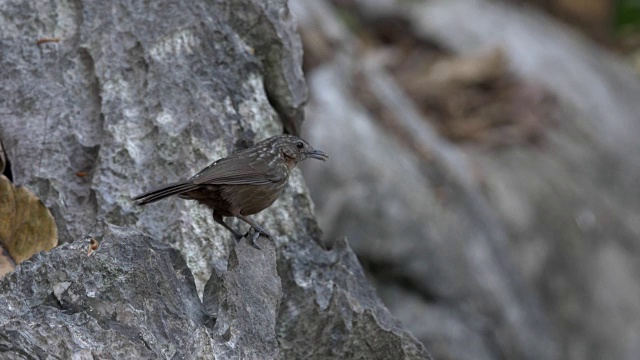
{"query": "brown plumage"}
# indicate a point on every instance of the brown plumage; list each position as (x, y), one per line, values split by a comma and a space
(243, 183)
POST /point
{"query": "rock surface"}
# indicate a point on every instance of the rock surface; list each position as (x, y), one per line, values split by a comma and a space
(522, 252)
(133, 297)
(571, 207)
(329, 303)
(258, 22)
(126, 96)
(447, 254)
(245, 301)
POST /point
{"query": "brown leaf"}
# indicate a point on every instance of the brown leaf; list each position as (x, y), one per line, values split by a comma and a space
(26, 225)
(6, 263)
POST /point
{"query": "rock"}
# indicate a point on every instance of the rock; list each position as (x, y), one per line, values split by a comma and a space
(526, 250)
(156, 95)
(329, 302)
(246, 300)
(132, 96)
(571, 207)
(258, 22)
(134, 297)
(420, 230)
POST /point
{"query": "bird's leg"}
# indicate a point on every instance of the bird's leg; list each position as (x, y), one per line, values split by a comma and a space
(257, 229)
(218, 218)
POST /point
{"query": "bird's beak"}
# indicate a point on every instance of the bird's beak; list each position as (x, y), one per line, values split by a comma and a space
(317, 154)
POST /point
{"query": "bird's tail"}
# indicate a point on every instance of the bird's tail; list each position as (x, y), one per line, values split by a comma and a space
(163, 192)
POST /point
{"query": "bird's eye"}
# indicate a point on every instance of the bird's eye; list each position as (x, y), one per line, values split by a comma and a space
(300, 145)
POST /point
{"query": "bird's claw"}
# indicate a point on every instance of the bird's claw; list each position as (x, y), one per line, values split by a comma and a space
(253, 234)
(254, 237)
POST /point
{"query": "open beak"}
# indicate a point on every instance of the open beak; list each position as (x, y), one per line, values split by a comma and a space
(317, 154)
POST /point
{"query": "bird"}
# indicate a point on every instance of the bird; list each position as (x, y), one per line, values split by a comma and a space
(243, 183)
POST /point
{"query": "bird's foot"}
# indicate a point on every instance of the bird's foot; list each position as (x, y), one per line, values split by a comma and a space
(253, 234)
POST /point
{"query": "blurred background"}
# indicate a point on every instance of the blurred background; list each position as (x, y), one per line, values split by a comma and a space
(485, 167)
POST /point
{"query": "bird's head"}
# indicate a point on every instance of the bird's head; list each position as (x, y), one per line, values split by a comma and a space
(293, 150)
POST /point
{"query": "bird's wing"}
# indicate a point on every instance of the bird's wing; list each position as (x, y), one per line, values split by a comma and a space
(249, 167)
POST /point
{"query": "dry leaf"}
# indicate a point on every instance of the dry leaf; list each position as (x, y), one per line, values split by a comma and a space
(26, 225)
(6, 263)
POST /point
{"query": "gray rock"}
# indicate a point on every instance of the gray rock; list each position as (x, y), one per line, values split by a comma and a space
(133, 297)
(572, 207)
(526, 251)
(154, 96)
(539, 48)
(382, 197)
(330, 313)
(246, 300)
(135, 95)
(439, 325)
(331, 302)
(258, 22)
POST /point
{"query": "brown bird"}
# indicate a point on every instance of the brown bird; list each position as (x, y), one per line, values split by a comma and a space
(243, 183)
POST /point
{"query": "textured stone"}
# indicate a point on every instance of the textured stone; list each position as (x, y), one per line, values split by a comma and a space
(419, 230)
(133, 95)
(258, 22)
(330, 313)
(154, 96)
(246, 300)
(131, 298)
(528, 252)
